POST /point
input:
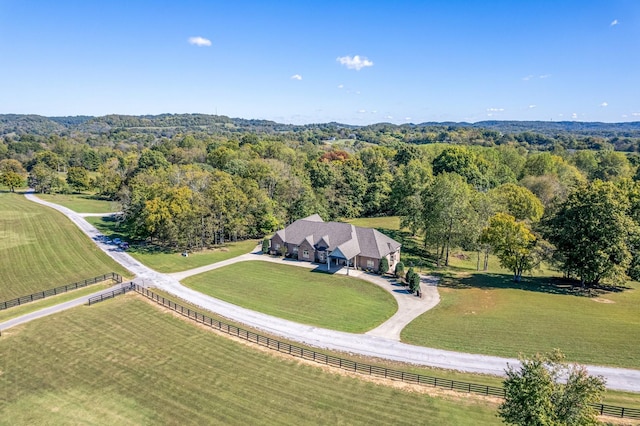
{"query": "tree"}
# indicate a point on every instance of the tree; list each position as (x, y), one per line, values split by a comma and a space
(384, 266)
(11, 179)
(514, 244)
(536, 393)
(518, 201)
(12, 174)
(265, 245)
(460, 160)
(592, 233)
(151, 158)
(410, 273)
(414, 283)
(78, 178)
(446, 213)
(399, 269)
(43, 179)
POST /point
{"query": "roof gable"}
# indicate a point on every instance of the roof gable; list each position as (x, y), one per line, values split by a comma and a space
(348, 239)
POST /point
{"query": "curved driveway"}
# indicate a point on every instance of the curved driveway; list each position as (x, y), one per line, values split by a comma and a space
(364, 344)
(409, 306)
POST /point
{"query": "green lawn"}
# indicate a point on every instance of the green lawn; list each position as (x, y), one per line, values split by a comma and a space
(156, 368)
(380, 223)
(165, 260)
(41, 249)
(82, 203)
(299, 294)
(617, 398)
(489, 314)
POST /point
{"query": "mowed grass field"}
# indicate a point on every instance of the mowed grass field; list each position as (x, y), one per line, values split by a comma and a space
(41, 249)
(299, 294)
(167, 261)
(156, 368)
(488, 314)
(82, 203)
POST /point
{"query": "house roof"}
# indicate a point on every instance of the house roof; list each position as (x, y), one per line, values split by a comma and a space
(348, 239)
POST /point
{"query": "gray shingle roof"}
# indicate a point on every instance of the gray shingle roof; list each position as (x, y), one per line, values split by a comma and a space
(351, 240)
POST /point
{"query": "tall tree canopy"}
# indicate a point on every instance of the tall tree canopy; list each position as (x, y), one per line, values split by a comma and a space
(592, 233)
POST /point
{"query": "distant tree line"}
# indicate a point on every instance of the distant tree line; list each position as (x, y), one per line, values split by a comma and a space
(194, 189)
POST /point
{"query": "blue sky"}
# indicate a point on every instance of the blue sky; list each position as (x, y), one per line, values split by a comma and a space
(355, 62)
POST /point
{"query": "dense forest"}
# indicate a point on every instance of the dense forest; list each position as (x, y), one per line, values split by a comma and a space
(527, 191)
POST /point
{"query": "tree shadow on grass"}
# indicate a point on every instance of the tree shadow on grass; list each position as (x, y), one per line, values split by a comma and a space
(550, 285)
(413, 252)
(110, 226)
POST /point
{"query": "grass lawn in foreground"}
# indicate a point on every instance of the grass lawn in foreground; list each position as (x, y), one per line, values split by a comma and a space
(617, 398)
(166, 260)
(489, 314)
(41, 249)
(82, 203)
(156, 368)
(298, 294)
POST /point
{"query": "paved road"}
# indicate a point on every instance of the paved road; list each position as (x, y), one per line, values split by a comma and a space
(368, 345)
(409, 306)
(54, 309)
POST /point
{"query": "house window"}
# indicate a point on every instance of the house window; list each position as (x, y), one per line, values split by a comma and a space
(295, 249)
(369, 263)
(277, 246)
(393, 257)
(305, 254)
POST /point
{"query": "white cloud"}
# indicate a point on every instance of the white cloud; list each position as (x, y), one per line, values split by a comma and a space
(407, 118)
(574, 115)
(543, 76)
(532, 106)
(199, 41)
(636, 114)
(614, 23)
(495, 109)
(389, 117)
(340, 86)
(362, 111)
(354, 63)
(527, 78)
(604, 104)
(296, 77)
(624, 116)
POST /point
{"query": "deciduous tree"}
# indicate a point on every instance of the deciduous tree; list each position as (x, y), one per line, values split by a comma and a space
(514, 244)
(592, 232)
(545, 390)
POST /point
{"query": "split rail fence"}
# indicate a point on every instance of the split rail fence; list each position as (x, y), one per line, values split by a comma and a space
(59, 290)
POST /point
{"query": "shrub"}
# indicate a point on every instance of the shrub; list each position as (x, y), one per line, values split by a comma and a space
(399, 270)
(265, 245)
(384, 266)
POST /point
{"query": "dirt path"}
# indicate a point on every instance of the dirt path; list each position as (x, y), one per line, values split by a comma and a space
(364, 344)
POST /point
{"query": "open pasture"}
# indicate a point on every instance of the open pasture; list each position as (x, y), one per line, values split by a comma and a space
(41, 249)
(156, 368)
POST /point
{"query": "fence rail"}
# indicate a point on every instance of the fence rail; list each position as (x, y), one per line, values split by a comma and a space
(111, 294)
(59, 290)
(349, 365)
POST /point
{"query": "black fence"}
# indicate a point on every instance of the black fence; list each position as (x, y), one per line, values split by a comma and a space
(59, 290)
(110, 294)
(356, 367)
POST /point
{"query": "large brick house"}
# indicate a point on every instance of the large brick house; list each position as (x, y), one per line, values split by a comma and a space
(335, 243)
